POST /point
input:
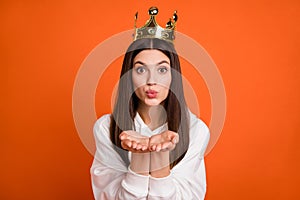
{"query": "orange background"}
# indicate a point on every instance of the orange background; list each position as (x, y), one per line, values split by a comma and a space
(255, 45)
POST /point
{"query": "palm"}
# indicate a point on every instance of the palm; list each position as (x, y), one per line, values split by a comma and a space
(134, 142)
(164, 141)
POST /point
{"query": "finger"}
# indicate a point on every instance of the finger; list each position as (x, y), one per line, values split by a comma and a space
(152, 147)
(125, 144)
(175, 139)
(166, 145)
(128, 143)
(139, 147)
(158, 148)
(169, 135)
(122, 136)
(144, 148)
(133, 144)
(171, 146)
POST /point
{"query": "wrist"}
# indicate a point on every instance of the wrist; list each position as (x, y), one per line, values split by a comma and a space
(140, 163)
(159, 165)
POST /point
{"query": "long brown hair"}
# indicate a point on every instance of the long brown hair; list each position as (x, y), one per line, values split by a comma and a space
(126, 103)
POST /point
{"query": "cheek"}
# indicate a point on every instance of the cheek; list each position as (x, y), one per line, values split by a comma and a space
(165, 88)
(138, 81)
(139, 93)
(165, 81)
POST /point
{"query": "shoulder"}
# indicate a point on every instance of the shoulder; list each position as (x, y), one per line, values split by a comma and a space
(197, 124)
(102, 125)
(199, 134)
(104, 120)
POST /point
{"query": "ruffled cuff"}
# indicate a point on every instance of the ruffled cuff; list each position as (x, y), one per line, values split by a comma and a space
(161, 187)
(135, 183)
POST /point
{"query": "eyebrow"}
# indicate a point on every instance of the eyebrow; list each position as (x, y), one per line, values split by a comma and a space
(161, 62)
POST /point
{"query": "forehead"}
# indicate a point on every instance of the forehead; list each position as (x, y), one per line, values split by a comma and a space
(151, 56)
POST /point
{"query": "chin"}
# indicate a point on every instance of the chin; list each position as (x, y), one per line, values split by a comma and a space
(152, 102)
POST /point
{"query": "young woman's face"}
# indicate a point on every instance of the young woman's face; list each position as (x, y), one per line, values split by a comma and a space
(151, 76)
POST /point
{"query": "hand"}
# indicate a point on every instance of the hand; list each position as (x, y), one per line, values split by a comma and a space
(134, 142)
(165, 141)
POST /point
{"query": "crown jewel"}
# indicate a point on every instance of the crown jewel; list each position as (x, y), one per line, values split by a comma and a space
(152, 30)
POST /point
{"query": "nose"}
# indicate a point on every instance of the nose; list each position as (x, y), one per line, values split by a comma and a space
(151, 79)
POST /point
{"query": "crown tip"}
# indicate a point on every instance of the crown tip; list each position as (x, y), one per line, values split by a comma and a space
(152, 30)
(153, 10)
(175, 17)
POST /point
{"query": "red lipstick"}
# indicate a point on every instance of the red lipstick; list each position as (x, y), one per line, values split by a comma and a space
(151, 94)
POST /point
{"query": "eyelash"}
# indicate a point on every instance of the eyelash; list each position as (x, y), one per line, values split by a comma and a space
(140, 68)
(161, 70)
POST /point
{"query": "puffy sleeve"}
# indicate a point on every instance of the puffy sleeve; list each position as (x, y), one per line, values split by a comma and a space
(111, 179)
(187, 179)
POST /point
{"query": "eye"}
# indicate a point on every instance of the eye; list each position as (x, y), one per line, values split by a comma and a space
(162, 70)
(140, 70)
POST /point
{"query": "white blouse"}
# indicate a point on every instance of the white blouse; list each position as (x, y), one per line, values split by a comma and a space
(111, 179)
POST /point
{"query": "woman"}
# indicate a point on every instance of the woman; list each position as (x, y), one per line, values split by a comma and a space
(152, 146)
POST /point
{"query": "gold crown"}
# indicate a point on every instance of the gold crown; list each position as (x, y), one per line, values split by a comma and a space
(152, 30)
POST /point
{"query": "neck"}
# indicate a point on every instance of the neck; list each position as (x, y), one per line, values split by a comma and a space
(153, 116)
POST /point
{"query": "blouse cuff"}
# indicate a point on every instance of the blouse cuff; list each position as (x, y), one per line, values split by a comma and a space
(136, 183)
(162, 187)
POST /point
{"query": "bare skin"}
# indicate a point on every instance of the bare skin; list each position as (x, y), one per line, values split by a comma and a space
(136, 143)
(151, 77)
(150, 155)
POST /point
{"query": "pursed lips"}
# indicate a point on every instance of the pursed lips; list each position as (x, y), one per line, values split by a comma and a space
(151, 93)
